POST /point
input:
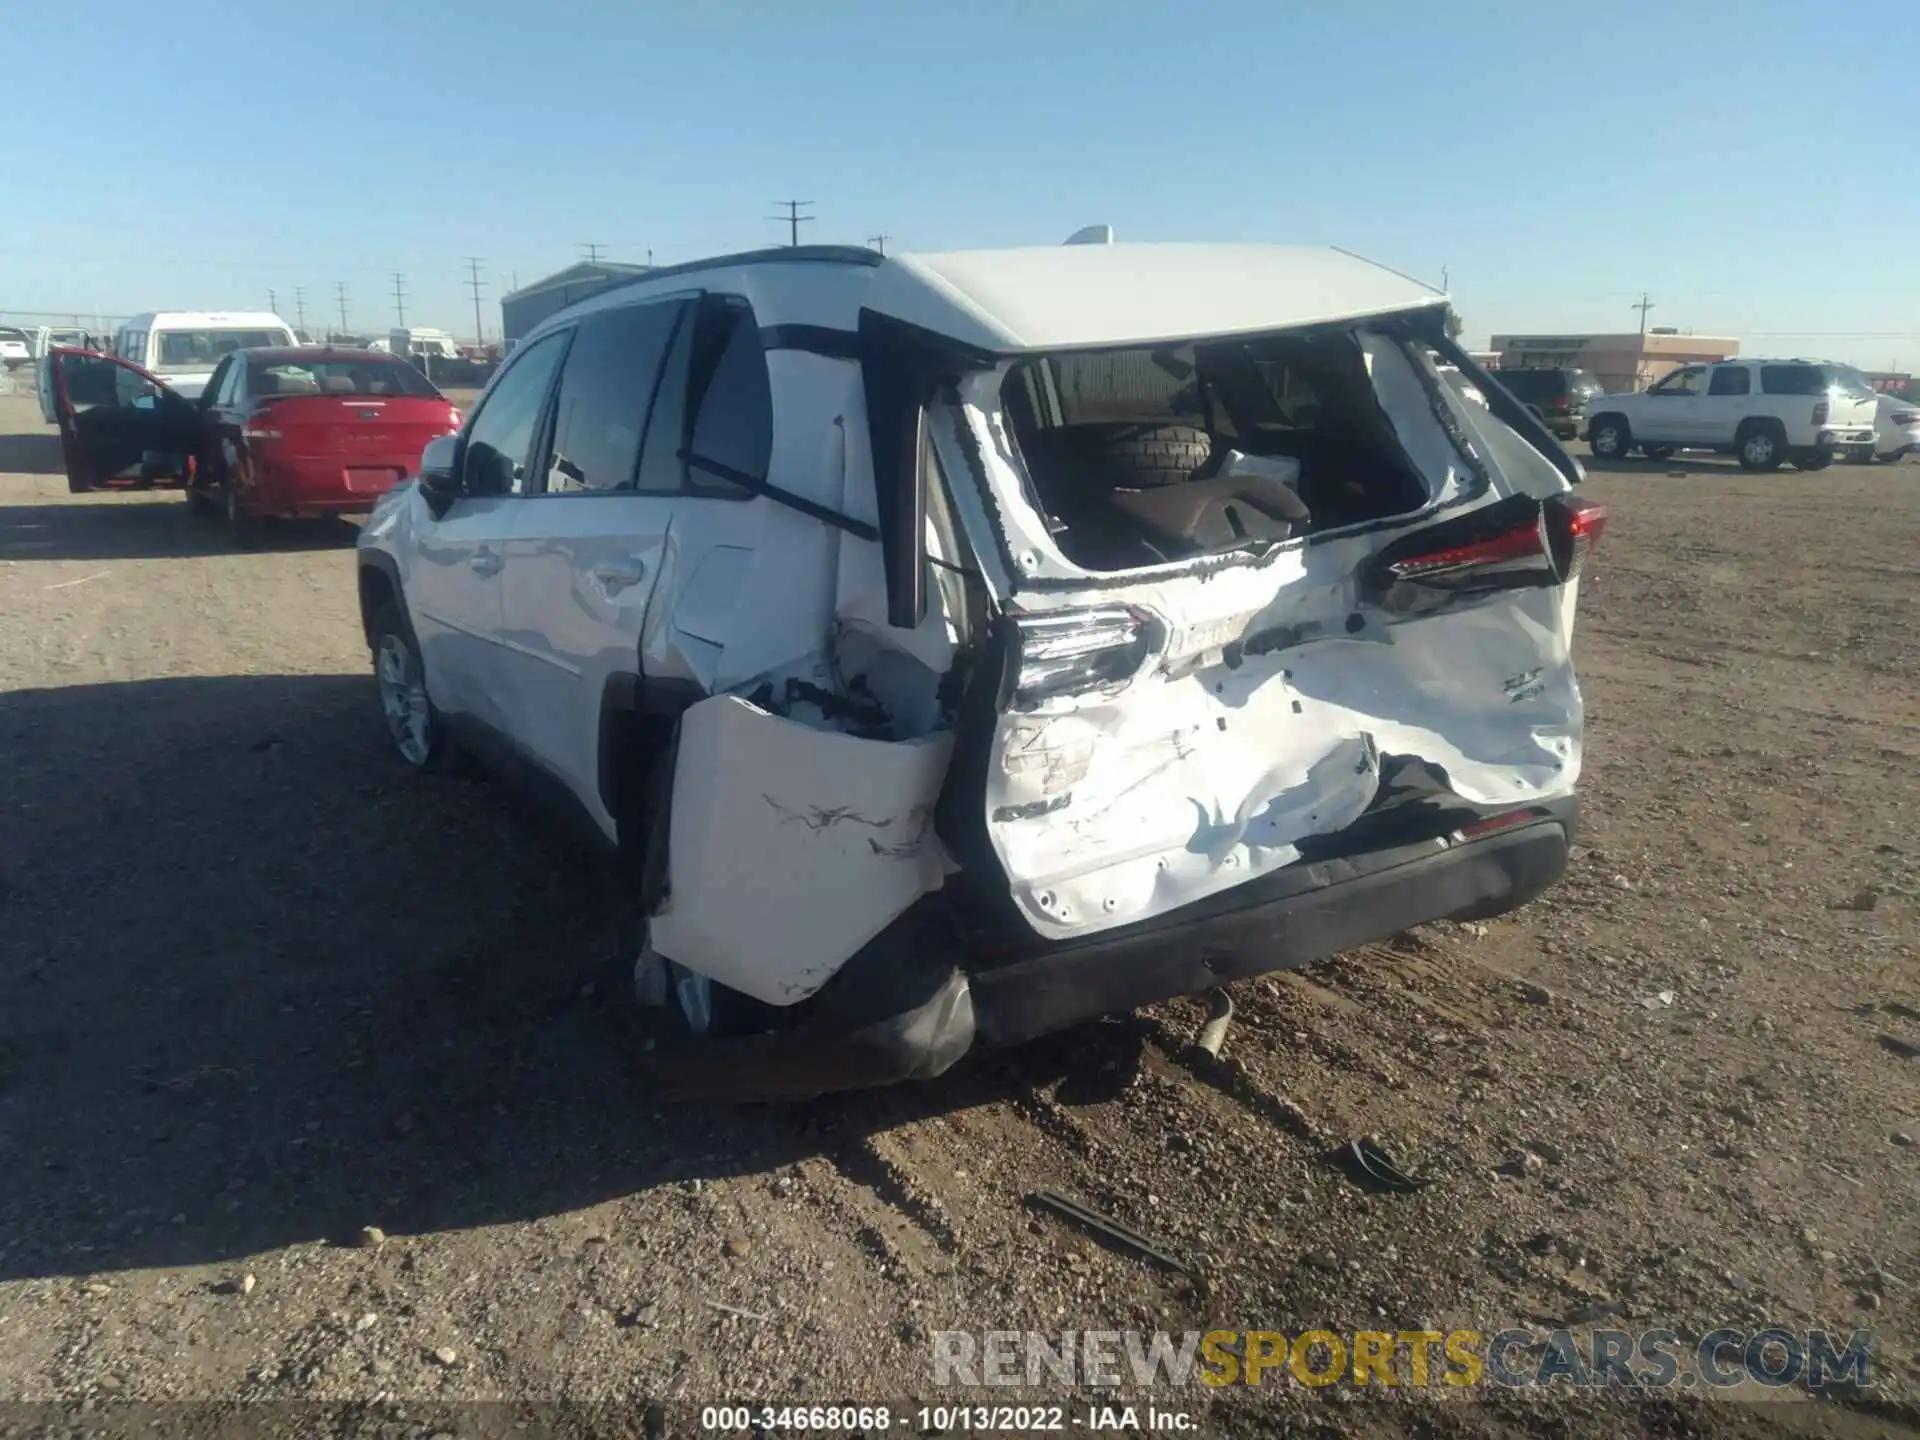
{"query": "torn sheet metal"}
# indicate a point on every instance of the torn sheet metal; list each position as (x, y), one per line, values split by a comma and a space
(791, 847)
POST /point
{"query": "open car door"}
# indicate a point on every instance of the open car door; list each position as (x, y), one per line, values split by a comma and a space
(117, 421)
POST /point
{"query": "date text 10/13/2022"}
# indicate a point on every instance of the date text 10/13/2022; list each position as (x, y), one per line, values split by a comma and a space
(944, 1419)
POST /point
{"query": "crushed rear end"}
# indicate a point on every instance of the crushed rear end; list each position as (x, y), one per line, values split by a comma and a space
(1227, 652)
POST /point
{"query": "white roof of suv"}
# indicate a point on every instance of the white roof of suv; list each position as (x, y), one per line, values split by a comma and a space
(1089, 296)
(1048, 297)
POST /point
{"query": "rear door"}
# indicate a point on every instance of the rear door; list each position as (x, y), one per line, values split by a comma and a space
(1729, 401)
(113, 416)
(454, 581)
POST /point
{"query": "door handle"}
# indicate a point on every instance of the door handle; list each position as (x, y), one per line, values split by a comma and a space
(620, 576)
(485, 562)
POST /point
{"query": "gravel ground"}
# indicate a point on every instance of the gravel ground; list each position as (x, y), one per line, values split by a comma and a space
(261, 989)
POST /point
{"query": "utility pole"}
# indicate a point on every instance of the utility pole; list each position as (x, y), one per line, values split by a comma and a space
(592, 253)
(1640, 360)
(299, 308)
(1443, 277)
(340, 291)
(399, 300)
(273, 302)
(794, 218)
(879, 242)
(473, 284)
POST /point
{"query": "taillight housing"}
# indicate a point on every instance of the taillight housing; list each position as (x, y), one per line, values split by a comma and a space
(454, 419)
(1070, 652)
(1518, 543)
(1820, 413)
(1904, 418)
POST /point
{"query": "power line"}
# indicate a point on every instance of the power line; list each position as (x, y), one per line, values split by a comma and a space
(299, 307)
(473, 283)
(592, 253)
(399, 300)
(794, 218)
(340, 291)
(1644, 306)
(879, 242)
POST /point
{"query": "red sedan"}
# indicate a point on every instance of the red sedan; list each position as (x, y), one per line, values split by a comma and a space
(278, 433)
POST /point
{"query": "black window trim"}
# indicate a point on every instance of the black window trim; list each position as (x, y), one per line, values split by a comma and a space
(689, 303)
(540, 439)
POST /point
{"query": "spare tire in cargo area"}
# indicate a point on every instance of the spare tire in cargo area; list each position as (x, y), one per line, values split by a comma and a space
(1131, 456)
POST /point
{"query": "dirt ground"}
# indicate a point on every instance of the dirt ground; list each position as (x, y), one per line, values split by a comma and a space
(260, 988)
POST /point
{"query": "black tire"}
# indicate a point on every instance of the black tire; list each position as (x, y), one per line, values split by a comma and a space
(243, 528)
(391, 634)
(1860, 455)
(1610, 437)
(1813, 460)
(200, 502)
(1133, 457)
(1761, 445)
(1658, 452)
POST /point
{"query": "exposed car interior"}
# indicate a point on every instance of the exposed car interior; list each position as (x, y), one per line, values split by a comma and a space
(1138, 457)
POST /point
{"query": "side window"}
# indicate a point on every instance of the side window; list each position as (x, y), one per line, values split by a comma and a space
(496, 453)
(1681, 382)
(606, 391)
(1730, 380)
(716, 406)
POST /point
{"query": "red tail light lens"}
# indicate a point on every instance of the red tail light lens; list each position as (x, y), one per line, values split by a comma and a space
(1906, 417)
(1515, 544)
(1820, 413)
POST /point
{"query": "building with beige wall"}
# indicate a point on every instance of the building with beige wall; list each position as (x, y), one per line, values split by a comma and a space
(1619, 362)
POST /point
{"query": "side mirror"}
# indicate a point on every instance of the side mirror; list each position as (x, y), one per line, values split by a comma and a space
(439, 477)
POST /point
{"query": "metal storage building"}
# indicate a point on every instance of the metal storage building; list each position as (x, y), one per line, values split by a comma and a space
(529, 305)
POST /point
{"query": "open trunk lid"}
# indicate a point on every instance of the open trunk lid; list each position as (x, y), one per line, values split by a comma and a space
(1142, 736)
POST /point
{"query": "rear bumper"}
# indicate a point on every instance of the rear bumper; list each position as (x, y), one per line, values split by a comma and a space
(907, 1012)
(1838, 438)
(311, 488)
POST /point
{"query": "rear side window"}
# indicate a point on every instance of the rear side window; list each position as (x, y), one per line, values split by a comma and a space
(1730, 380)
(1529, 385)
(1793, 380)
(715, 407)
(502, 432)
(606, 392)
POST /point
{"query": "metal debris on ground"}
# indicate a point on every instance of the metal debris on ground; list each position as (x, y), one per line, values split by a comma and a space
(726, 1309)
(1213, 1034)
(1105, 1227)
(1372, 1167)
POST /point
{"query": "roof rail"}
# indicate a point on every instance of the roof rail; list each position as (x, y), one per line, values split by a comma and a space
(777, 255)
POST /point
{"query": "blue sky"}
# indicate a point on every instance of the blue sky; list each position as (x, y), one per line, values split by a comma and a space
(1755, 167)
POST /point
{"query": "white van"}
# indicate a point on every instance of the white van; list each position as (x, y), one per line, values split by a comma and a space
(182, 347)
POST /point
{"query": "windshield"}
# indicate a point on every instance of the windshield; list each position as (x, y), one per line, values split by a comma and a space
(202, 349)
(341, 377)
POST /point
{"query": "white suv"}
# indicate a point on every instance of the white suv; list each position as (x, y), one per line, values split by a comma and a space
(965, 645)
(1765, 412)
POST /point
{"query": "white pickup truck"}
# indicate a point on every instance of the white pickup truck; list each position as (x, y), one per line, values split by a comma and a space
(1765, 412)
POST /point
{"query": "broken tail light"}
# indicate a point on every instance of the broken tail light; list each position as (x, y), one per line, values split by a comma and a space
(1068, 652)
(1517, 543)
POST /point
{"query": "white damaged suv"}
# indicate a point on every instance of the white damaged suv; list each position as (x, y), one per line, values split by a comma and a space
(961, 646)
